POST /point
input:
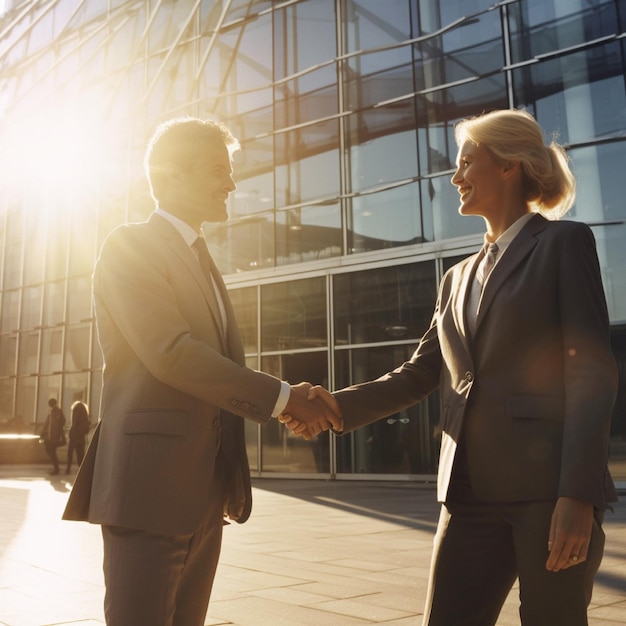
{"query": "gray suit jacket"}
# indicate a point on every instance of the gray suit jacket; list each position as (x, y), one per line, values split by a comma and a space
(533, 389)
(173, 386)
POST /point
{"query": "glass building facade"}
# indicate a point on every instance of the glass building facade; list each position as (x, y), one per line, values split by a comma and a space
(344, 218)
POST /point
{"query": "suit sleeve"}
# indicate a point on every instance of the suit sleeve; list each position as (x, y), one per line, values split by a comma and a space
(590, 374)
(137, 296)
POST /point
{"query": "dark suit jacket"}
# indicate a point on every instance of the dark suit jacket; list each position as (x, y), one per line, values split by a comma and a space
(533, 390)
(169, 375)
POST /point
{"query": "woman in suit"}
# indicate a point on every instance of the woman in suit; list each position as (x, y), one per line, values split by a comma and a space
(519, 348)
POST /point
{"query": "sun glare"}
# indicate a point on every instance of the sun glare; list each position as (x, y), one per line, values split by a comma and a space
(57, 152)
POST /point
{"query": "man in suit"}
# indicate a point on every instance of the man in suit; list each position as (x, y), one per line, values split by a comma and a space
(519, 347)
(168, 460)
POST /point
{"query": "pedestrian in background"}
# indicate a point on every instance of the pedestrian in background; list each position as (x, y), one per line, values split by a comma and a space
(78, 434)
(52, 434)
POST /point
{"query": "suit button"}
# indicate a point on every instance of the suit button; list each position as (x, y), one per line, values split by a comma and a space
(469, 377)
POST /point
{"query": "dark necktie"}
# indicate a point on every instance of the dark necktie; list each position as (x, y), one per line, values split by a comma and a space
(204, 257)
(211, 273)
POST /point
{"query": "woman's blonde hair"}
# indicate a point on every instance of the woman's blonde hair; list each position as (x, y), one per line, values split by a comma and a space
(514, 135)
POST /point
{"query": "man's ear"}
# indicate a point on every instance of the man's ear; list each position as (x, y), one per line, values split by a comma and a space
(171, 172)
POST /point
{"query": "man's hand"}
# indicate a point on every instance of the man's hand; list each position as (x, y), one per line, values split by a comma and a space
(309, 411)
(570, 533)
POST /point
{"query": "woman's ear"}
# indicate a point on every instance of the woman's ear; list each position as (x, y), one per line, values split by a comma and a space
(510, 168)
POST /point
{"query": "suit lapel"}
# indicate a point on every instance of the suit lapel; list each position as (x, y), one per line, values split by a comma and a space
(517, 251)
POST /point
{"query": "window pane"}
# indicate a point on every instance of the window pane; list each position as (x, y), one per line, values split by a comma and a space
(388, 131)
(307, 163)
(7, 394)
(74, 388)
(9, 311)
(308, 234)
(542, 26)
(372, 23)
(386, 219)
(54, 303)
(293, 315)
(51, 351)
(79, 299)
(77, 348)
(370, 78)
(306, 98)
(443, 220)
(304, 36)
(8, 351)
(281, 451)
(471, 49)
(25, 403)
(246, 310)
(403, 443)
(580, 96)
(31, 307)
(241, 245)
(384, 304)
(27, 355)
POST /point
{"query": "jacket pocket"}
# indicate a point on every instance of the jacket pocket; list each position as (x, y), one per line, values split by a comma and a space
(156, 422)
(535, 406)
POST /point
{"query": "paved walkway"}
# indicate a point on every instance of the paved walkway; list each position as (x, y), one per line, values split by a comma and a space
(321, 553)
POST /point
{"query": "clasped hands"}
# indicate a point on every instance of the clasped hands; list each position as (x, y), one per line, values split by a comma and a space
(311, 410)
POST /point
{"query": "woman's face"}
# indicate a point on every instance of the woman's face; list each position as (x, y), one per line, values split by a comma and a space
(479, 181)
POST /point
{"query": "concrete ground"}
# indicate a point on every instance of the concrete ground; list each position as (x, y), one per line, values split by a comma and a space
(330, 553)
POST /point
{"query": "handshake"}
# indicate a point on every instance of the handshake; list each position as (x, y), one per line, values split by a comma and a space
(310, 411)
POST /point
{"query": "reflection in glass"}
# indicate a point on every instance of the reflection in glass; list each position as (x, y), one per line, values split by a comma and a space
(54, 303)
(542, 26)
(304, 36)
(471, 49)
(293, 315)
(51, 351)
(385, 219)
(9, 311)
(382, 146)
(26, 392)
(370, 78)
(7, 395)
(240, 245)
(372, 23)
(443, 220)
(308, 233)
(306, 98)
(246, 310)
(384, 304)
(281, 451)
(307, 163)
(8, 352)
(579, 96)
(403, 443)
(30, 315)
(79, 299)
(77, 347)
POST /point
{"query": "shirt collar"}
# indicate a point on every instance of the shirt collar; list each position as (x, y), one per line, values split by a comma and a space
(185, 231)
(505, 239)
